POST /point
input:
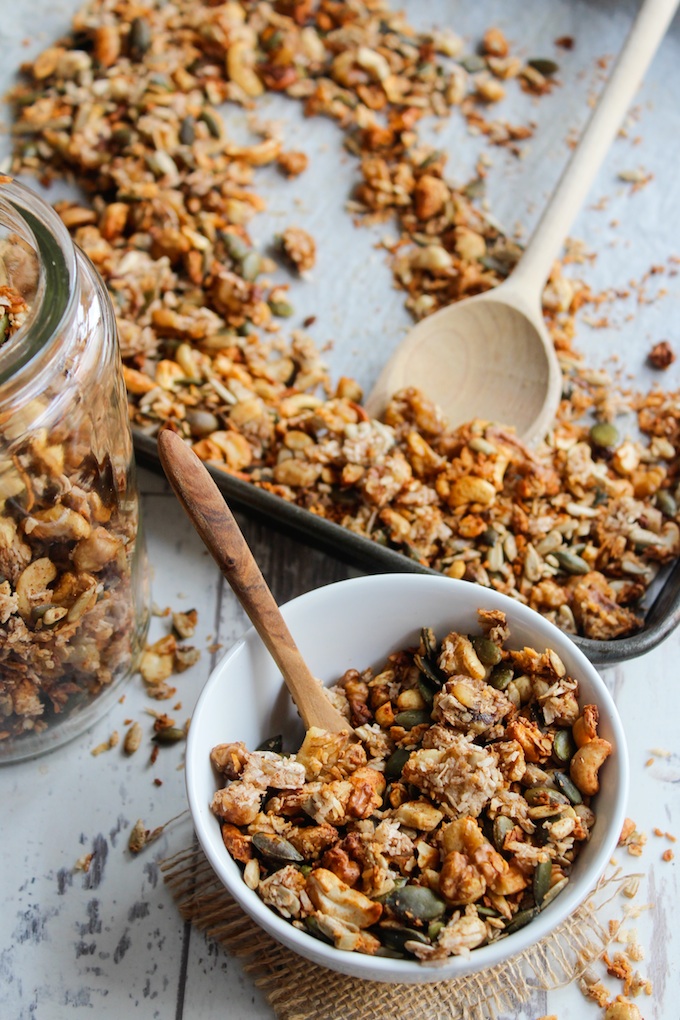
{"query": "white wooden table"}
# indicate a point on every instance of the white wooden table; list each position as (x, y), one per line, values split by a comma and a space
(109, 941)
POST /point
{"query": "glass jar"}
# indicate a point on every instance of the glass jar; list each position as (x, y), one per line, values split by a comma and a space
(74, 600)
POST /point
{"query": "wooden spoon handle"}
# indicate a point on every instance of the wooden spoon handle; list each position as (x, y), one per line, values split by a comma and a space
(642, 43)
(215, 523)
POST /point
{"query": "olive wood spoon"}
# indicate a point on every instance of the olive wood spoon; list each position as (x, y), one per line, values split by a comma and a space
(214, 522)
(491, 356)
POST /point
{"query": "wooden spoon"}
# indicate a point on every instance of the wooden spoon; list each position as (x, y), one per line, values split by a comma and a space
(491, 356)
(214, 522)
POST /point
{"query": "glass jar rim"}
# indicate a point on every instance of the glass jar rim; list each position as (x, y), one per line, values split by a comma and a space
(41, 229)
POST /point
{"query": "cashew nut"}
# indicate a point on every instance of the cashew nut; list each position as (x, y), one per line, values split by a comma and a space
(585, 727)
(333, 897)
(586, 764)
(57, 522)
(94, 552)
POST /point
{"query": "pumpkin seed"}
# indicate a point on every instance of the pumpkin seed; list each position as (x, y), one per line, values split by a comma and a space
(488, 652)
(391, 954)
(540, 795)
(666, 504)
(169, 735)
(554, 891)
(604, 434)
(570, 562)
(212, 122)
(281, 308)
(487, 911)
(312, 928)
(161, 164)
(4, 326)
(563, 747)
(544, 66)
(412, 717)
(251, 266)
(434, 927)
(140, 36)
(201, 423)
(415, 903)
(568, 788)
(426, 691)
(274, 744)
(502, 825)
(501, 677)
(475, 188)
(276, 849)
(520, 919)
(541, 881)
(433, 674)
(395, 936)
(395, 763)
(187, 133)
(235, 246)
(472, 63)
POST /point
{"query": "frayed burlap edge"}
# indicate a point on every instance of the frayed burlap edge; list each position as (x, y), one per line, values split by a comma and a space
(299, 990)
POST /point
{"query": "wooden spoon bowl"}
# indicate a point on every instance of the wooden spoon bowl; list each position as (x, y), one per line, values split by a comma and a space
(491, 357)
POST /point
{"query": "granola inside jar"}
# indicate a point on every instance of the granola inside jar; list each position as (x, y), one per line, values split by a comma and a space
(73, 581)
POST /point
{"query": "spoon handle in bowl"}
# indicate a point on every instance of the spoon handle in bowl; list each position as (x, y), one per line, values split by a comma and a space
(215, 523)
(638, 51)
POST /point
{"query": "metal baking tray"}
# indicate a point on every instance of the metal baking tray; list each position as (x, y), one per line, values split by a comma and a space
(662, 614)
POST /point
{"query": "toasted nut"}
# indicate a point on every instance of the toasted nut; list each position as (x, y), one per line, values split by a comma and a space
(336, 899)
(586, 764)
(133, 739)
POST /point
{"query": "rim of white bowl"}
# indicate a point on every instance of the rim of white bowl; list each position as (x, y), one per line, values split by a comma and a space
(384, 968)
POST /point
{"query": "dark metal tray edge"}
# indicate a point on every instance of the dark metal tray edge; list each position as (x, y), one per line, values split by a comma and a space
(661, 618)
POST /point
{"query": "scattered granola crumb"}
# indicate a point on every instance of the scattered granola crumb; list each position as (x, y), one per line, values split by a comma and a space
(661, 355)
(83, 863)
(595, 990)
(292, 163)
(299, 248)
(140, 836)
(631, 886)
(133, 738)
(638, 178)
(106, 745)
(185, 623)
(622, 1009)
(667, 855)
(627, 830)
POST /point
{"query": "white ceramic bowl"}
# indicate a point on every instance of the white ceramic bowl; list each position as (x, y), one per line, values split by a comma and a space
(356, 624)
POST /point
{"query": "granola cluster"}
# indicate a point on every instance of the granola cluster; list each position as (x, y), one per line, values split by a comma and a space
(67, 598)
(453, 820)
(127, 106)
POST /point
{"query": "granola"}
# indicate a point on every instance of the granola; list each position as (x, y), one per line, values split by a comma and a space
(70, 588)
(127, 106)
(453, 822)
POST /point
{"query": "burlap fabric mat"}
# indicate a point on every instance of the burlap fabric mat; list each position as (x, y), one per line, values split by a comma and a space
(299, 990)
